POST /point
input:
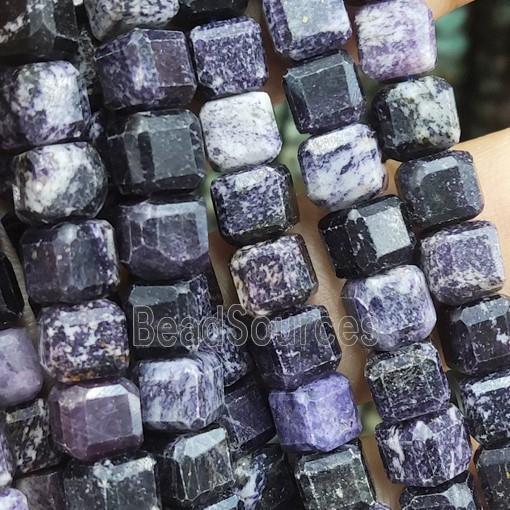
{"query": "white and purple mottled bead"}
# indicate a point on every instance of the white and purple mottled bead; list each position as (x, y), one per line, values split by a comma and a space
(7, 463)
(13, 499)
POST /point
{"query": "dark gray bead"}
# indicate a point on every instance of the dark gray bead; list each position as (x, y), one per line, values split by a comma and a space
(43, 490)
(11, 299)
(194, 12)
(493, 466)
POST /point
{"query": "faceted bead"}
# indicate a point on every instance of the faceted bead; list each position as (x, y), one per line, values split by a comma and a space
(181, 394)
(58, 181)
(407, 383)
(200, 11)
(128, 482)
(391, 309)
(112, 17)
(157, 151)
(21, 377)
(70, 262)
(93, 419)
(11, 299)
(146, 69)
(273, 275)
(254, 204)
(304, 29)
(369, 238)
(416, 118)
(325, 93)
(28, 430)
(493, 466)
(229, 56)
(343, 167)
(7, 461)
(411, 47)
(86, 341)
(317, 417)
(240, 131)
(13, 499)
(37, 30)
(31, 116)
(463, 262)
(425, 451)
(296, 346)
(163, 240)
(229, 503)
(43, 490)
(338, 480)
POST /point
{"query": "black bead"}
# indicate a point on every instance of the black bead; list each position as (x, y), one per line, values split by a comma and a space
(11, 300)
(195, 12)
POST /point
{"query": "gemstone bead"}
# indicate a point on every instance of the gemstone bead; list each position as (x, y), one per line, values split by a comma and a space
(463, 262)
(254, 204)
(317, 417)
(416, 118)
(200, 11)
(368, 238)
(157, 152)
(21, 376)
(273, 275)
(181, 394)
(129, 482)
(7, 461)
(146, 69)
(58, 181)
(96, 134)
(43, 490)
(229, 503)
(90, 420)
(86, 341)
(70, 262)
(305, 29)
(338, 480)
(13, 499)
(425, 451)
(11, 299)
(108, 18)
(343, 167)
(411, 47)
(493, 466)
(240, 131)
(31, 116)
(407, 383)
(163, 240)
(84, 61)
(295, 347)
(325, 93)
(229, 56)
(391, 309)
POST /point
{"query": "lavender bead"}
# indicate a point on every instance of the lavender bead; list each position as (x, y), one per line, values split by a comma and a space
(13, 499)
(228, 503)
(7, 461)
(43, 490)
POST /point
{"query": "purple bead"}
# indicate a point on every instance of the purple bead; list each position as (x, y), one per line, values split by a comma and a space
(229, 56)
(391, 309)
(93, 419)
(463, 262)
(396, 38)
(304, 28)
(273, 275)
(7, 461)
(21, 377)
(493, 467)
(317, 417)
(146, 69)
(13, 499)
(30, 114)
(43, 490)
(425, 451)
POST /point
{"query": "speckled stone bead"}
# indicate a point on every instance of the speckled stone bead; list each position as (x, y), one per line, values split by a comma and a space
(317, 417)
(338, 480)
(58, 181)
(157, 152)
(416, 118)
(395, 38)
(11, 299)
(229, 56)
(425, 451)
(194, 12)
(13, 499)
(146, 69)
(325, 93)
(254, 204)
(96, 419)
(273, 275)
(181, 394)
(369, 238)
(228, 503)
(163, 239)
(70, 262)
(7, 461)
(493, 466)
(43, 489)
(96, 134)
(295, 347)
(343, 167)
(463, 262)
(240, 131)
(304, 28)
(129, 482)
(112, 17)
(31, 116)
(407, 383)
(440, 189)
(391, 309)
